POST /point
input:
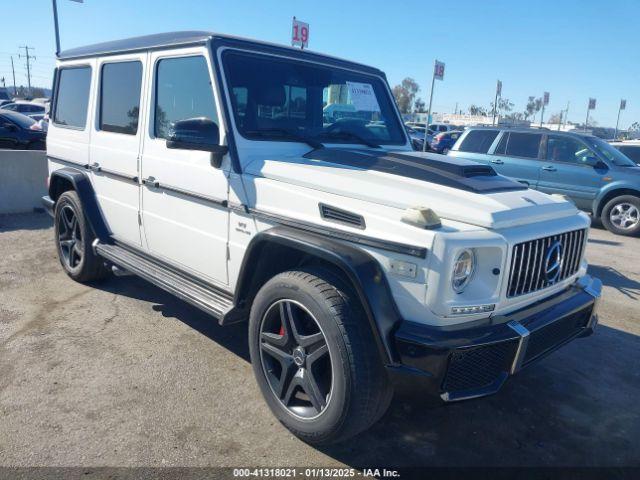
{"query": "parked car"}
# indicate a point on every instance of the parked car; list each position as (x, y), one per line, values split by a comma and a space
(417, 138)
(630, 148)
(26, 108)
(442, 142)
(598, 178)
(435, 128)
(228, 191)
(20, 132)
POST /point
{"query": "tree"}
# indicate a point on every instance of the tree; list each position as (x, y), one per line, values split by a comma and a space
(419, 105)
(555, 118)
(504, 106)
(530, 109)
(477, 110)
(405, 93)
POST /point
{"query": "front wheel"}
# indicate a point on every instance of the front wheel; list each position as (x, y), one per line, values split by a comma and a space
(621, 215)
(315, 358)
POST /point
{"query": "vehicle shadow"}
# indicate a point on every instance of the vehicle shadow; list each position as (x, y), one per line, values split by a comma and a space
(614, 278)
(232, 337)
(576, 407)
(25, 221)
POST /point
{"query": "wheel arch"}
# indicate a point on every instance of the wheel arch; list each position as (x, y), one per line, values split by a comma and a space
(282, 248)
(612, 193)
(66, 179)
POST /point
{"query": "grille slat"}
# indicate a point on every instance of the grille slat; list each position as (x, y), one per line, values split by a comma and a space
(528, 261)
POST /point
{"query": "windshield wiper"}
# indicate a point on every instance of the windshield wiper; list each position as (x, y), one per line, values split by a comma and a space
(355, 136)
(267, 132)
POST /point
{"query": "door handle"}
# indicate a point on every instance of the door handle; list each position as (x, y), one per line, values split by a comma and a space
(150, 182)
(497, 161)
(549, 168)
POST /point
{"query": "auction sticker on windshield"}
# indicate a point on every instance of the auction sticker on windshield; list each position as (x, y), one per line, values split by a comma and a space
(363, 97)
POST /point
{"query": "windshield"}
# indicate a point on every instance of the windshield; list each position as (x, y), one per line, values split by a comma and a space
(610, 153)
(278, 99)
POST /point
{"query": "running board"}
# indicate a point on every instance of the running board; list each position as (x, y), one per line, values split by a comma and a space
(209, 299)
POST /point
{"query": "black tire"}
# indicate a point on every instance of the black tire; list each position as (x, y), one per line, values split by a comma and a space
(613, 215)
(359, 392)
(73, 240)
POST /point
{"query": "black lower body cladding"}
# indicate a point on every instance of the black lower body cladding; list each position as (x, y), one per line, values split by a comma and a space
(466, 362)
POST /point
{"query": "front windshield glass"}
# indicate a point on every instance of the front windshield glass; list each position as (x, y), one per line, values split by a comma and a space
(612, 154)
(279, 99)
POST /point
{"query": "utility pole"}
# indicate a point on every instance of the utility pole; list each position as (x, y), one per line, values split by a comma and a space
(13, 70)
(566, 114)
(455, 110)
(29, 58)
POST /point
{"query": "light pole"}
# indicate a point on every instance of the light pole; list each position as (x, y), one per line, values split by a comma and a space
(438, 73)
(623, 105)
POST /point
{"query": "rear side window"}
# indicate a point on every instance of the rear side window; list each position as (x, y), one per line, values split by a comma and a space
(478, 141)
(120, 97)
(183, 91)
(524, 144)
(72, 97)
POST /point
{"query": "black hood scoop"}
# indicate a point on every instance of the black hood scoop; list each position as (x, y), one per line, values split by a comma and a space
(447, 171)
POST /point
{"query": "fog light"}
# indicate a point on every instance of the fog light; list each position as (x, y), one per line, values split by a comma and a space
(471, 309)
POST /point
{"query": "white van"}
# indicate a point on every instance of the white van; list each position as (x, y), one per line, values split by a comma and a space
(207, 165)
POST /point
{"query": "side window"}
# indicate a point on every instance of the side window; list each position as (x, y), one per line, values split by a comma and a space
(72, 97)
(501, 149)
(183, 91)
(524, 144)
(567, 149)
(120, 97)
(632, 152)
(478, 141)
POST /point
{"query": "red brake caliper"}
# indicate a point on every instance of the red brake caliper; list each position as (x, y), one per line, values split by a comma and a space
(281, 332)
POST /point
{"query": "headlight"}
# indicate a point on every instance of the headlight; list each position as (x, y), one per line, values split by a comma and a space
(463, 270)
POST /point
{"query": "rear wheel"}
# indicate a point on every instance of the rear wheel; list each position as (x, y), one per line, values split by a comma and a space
(74, 239)
(621, 215)
(315, 359)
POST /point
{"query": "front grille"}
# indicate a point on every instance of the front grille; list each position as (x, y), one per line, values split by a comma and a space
(552, 335)
(478, 367)
(529, 262)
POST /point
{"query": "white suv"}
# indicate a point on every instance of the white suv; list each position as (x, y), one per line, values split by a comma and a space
(208, 165)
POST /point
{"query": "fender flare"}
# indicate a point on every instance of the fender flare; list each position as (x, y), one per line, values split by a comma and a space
(361, 270)
(617, 188)
(84, 189)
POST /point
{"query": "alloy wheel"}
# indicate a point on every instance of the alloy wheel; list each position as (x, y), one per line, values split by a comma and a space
(295, 359)
(70, 237)
(624, 216)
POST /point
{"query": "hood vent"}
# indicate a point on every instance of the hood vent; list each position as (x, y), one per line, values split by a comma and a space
(337, 215)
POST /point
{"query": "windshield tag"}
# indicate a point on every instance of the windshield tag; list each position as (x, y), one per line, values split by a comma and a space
(363, 97)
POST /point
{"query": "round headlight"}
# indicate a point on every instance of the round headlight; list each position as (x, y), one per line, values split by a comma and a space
(463, 269)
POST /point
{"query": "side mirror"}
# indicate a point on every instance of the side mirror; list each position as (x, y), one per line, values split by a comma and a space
(198, 134)
(595, 162)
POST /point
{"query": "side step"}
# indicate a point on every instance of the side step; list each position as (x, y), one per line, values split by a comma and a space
(208, 298)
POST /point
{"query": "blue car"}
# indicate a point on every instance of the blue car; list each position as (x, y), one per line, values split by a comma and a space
(597, 177)
(442, 142)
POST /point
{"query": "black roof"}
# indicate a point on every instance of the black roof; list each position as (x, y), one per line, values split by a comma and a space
(160, 41)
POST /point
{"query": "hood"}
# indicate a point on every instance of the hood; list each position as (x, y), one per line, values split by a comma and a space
(456, 189)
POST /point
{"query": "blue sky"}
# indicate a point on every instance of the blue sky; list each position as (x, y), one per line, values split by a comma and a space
(573, 49)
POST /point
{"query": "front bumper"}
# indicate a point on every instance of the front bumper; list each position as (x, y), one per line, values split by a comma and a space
(462, 362)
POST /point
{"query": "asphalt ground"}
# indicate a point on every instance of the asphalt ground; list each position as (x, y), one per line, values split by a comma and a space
(122, 374)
